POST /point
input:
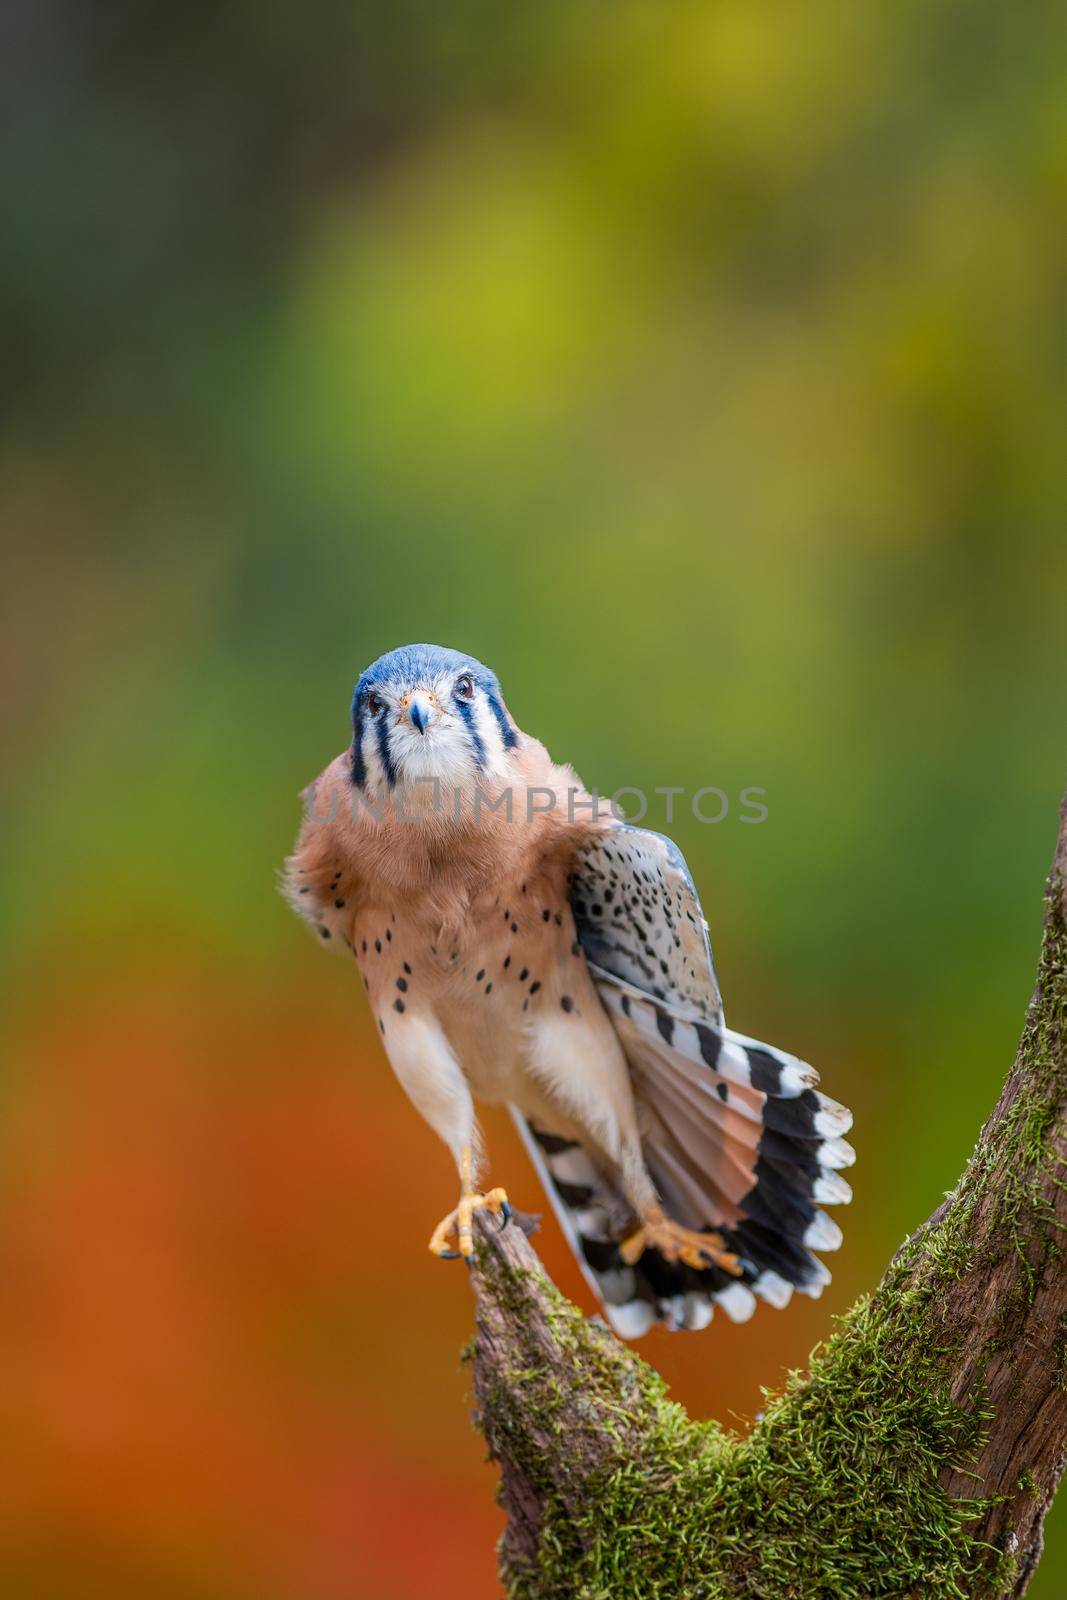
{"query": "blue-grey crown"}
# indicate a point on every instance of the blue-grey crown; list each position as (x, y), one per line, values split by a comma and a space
(414, 663)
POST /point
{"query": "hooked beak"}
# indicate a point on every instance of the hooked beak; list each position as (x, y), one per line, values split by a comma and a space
(419, 711)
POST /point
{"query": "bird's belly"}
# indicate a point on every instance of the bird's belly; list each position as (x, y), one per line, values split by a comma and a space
(491, 1037)
(512, 994)
(553, 1053)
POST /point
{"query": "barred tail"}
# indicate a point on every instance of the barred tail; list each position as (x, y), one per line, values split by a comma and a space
(737, 1139)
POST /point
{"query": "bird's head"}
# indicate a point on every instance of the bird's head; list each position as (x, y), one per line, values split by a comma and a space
(423, 712)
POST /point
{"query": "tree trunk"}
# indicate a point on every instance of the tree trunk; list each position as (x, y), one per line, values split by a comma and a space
(918, 1455)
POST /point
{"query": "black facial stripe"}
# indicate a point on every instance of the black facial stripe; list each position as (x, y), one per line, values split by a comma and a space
(467, 713)
(359, 766)
(507, 732)
(383, 751)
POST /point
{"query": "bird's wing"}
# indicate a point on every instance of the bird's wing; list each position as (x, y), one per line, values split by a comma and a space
(320, 879)
(735, 1134)
(639, 919)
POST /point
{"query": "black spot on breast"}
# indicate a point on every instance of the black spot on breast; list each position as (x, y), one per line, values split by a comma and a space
(558, 920)
(566, 1002)
(535, 986)
(507, 962)
(524, 974)
(514, 927)
(339, 904)
(407, 969)
(576, 948)
(626, 1004)
(364, 947)
(489, 987)
(389, 934)
(324, 933)
(722, 1092)
(545, 914)
(479, 975)
(381, 1024)
(402, 984)
(398, 1005)
(304, 890)
(378, 946)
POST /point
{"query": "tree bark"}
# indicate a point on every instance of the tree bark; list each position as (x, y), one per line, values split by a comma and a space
(917, 1457)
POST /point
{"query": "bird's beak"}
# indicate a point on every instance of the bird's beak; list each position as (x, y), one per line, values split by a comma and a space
(420, 711)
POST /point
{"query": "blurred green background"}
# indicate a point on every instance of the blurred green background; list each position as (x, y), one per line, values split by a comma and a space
(700, 367)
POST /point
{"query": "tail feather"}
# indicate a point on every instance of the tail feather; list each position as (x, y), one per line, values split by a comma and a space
(737, 1138)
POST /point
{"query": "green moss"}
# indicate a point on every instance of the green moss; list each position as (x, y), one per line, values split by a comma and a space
(1014, 1172)
(835, 1495)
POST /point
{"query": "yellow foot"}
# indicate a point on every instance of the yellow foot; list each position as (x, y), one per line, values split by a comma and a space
(675, 1243)
(455, 1230)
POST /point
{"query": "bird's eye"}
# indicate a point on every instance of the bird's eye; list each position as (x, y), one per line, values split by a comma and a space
(374, 703)
(465, 686)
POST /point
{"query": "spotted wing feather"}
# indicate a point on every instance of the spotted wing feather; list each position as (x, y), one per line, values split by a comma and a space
(639, 918)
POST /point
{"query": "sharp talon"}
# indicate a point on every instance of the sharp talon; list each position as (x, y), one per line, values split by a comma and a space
(700, 1250)
(457, 1225)
(505, 1215)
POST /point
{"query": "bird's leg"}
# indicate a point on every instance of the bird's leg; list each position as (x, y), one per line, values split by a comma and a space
(455, 1229)
(675, 1243)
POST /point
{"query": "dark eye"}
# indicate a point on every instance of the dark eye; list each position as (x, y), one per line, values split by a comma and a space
(465, 687)
(374, 703)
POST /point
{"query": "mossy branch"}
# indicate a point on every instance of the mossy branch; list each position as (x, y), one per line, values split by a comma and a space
(916, 1457)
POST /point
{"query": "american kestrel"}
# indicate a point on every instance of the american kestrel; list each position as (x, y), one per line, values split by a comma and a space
(521, 945)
